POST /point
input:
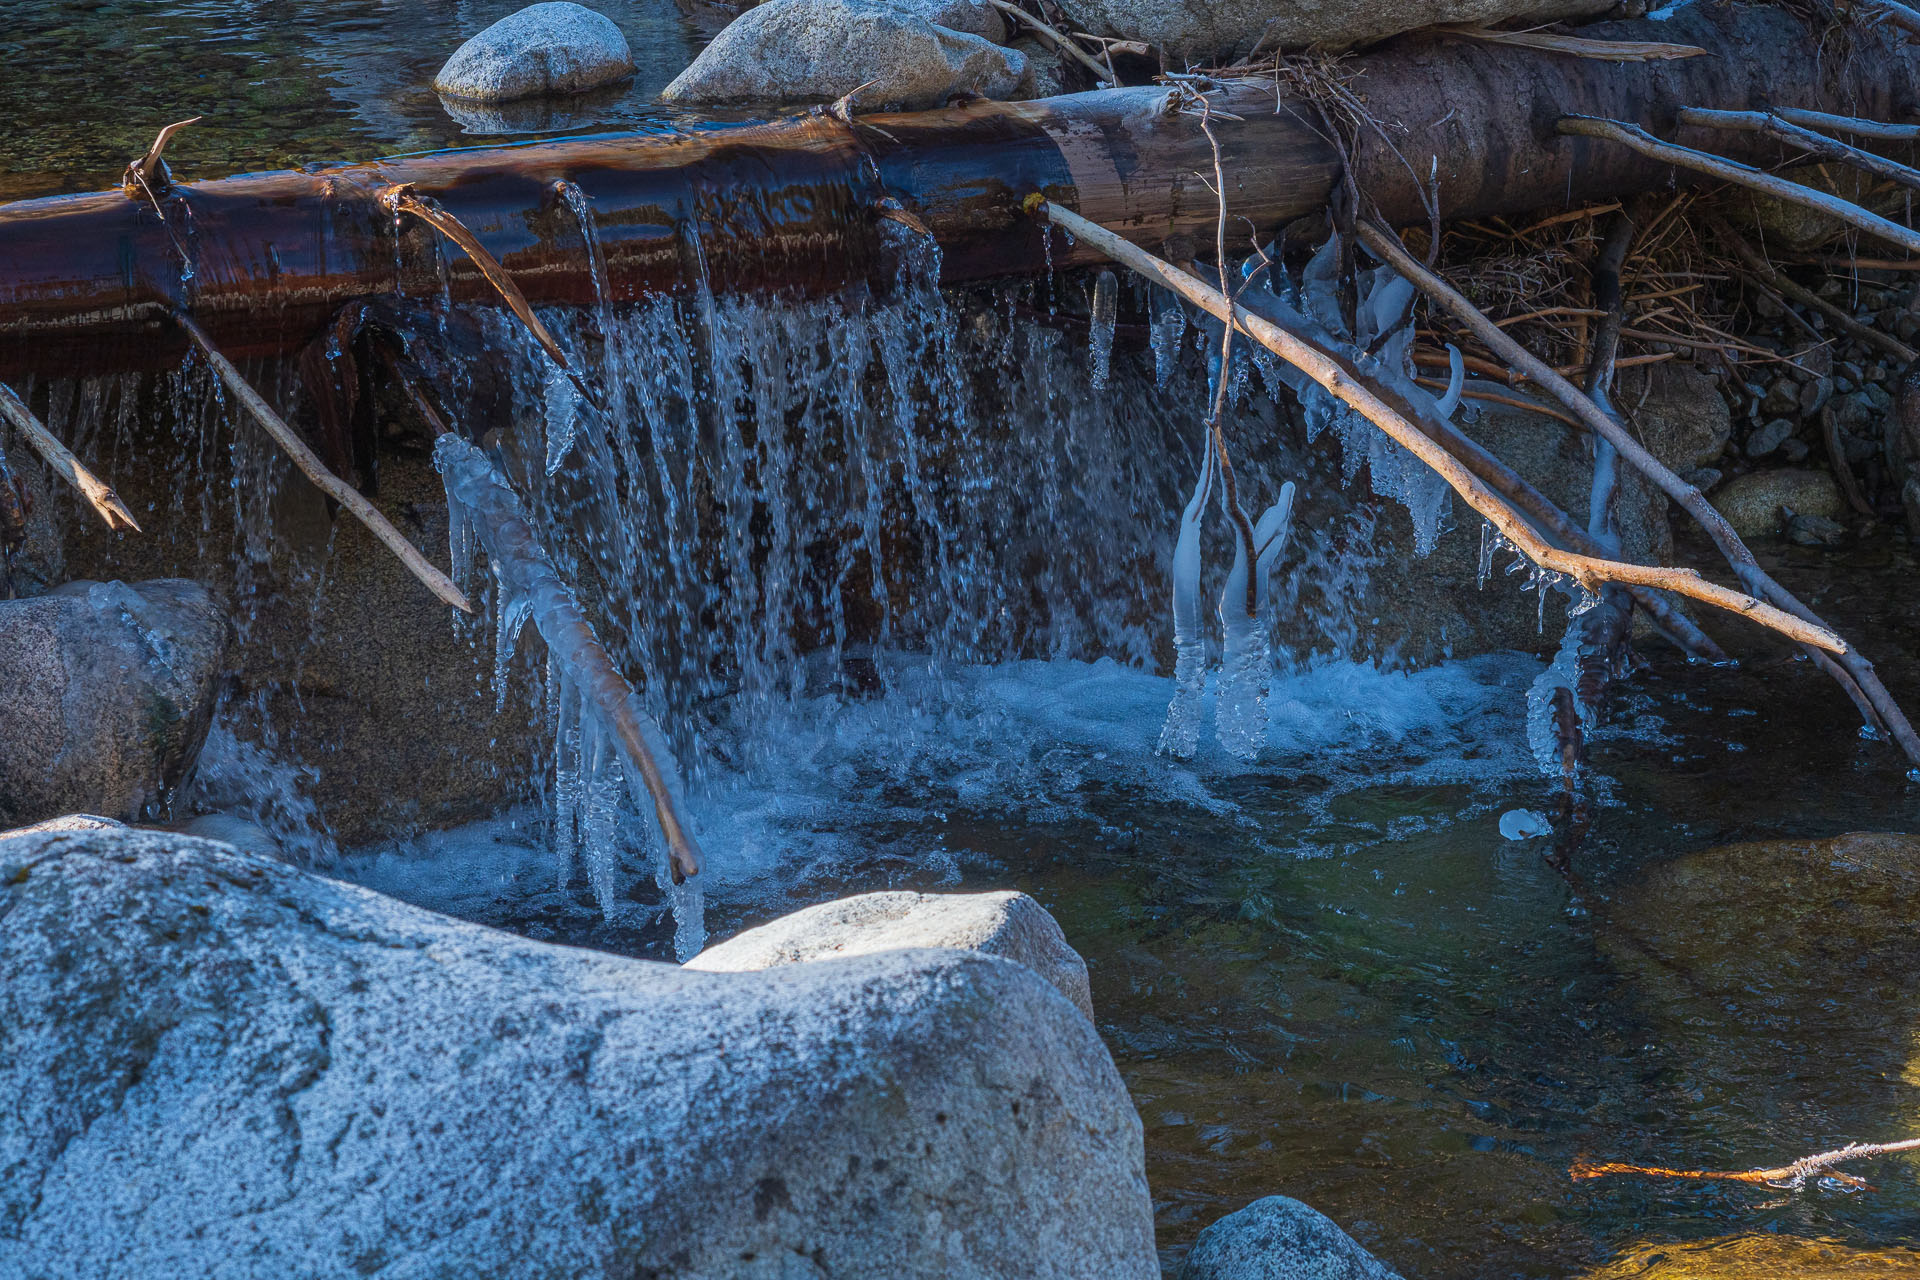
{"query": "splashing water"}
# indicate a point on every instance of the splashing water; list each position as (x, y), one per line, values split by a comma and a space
(588, 774)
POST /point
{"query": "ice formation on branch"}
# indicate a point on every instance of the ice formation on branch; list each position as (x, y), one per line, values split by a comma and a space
(593, 758)
(1180, 735)
(1240, 714)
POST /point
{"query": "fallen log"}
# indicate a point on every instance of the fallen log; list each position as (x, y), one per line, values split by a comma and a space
(264, 260)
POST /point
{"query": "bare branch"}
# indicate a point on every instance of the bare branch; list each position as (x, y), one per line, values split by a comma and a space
(315, 470)
(1786, 1174)
(98, 493)
(1388, 247)
(1848, 124)
(1589, 571)
(1780, 130)
(1632, 135)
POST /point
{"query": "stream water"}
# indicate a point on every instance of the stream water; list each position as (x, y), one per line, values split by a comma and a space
(934, 655)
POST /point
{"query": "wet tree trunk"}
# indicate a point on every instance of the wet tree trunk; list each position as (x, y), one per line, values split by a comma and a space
(264, 261)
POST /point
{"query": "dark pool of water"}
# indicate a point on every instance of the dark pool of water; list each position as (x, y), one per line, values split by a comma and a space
(279, 83)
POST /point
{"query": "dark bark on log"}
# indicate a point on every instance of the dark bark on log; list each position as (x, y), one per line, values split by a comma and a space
(85, 280)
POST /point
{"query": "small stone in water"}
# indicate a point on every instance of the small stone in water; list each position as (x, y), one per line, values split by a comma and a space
(1524, 824)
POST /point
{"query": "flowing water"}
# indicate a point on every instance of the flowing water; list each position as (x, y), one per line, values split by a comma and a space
(890, 570)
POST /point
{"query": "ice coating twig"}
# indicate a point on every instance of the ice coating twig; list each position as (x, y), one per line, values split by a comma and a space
(1180, 735)
(1240, 714)
(525, 573)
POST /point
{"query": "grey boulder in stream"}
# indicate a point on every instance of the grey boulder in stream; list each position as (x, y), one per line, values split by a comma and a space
(214, 1065)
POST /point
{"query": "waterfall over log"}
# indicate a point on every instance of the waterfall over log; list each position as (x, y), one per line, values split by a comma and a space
(264, 260)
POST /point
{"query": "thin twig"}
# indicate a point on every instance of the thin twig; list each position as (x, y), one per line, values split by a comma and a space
(1787, 1174)
(1388, 247)
(1817, 144)
(1848, 124)
(404, 200)
(1638, 139)
(1058, 40)
(1354, 390)
(98, 493)
(1842, 319)
(1837, 459)
(315, 470)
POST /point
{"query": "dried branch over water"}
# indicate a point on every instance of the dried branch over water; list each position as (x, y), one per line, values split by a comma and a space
(1861, 683)
(1784, 1175)
(1589, 571)
(98, 493)
(315, 470)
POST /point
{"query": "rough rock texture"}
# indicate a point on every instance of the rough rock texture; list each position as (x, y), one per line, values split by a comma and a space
(969, 17)
(1752, 503)
(66, 822)
(1280, 1239)
(549, 48)
(220, 1066)
(1202, 28)
(106, 691)
(819, 50)
(1679, 413)
(1002, 924)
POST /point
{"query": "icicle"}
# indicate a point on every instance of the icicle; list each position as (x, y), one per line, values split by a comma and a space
(1105, 314)
(1456, 382)
(1180, 735)
(1240, 711)
(1319, 287)
(590, 694)
(563, 411)
(1168, 328)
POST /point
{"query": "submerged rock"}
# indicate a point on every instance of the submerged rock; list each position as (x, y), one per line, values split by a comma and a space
(1759, 1255)
(1002, 924)
(1223, 28)
(1755, 956)
(1280, 1239)
(218, 1065)
(1757, 504)
(821, 50)
(554, 48)
(106, 692)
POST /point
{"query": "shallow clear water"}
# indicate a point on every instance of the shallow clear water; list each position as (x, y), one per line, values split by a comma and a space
(1327, 975)
(279, 83)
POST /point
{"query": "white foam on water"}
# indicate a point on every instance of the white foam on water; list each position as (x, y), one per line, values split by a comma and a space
(844, 796)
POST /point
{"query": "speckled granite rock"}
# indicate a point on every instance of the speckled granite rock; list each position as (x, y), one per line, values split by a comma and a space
(221, 1066)
(554, 48)
(1001, 924)
(106, 692)
(1280, 1239)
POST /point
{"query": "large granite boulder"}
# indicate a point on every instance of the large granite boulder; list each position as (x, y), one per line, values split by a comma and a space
(821, 50)
(1279, 1238)
(220, 1066)
(1224, 28)
(1005, 924)
(554, 48)
(106, 692)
